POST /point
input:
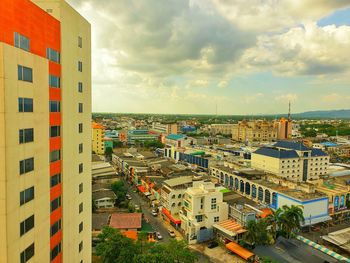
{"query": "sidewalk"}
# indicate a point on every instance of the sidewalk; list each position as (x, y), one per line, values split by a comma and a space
(167, 225)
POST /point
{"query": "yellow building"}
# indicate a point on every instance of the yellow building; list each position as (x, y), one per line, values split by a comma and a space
(45, 141)
(259, 130)
(98, 133)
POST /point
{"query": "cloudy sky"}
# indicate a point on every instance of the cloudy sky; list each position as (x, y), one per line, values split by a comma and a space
(245, 56)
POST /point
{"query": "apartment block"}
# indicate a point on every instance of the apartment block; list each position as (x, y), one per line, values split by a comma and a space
(203, 206)
(45, 103)
(224, 129)
(257, 130)
(164, 128)
(98, 134)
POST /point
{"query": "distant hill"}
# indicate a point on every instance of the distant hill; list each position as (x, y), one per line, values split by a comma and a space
(330, 114)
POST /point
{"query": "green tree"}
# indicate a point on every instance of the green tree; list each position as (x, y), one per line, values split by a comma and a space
(153, 144)
(120, 191)
(117, 144)
(108, 152)
(114, 247)
(291, 219)
(274, 220)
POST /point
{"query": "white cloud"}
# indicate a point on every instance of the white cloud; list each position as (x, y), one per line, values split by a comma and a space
(285, 98)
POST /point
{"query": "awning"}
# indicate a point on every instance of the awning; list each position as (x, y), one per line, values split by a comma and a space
(314, 221)
(240, 251)
(142, 189)
(168, 215)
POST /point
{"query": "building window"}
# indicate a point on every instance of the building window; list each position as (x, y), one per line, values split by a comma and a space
(80, 147)
(54, 81)
(55, 106)
(81, 168)
(80, 107)
(55, 227)
(27, 254)
(199, 218)
(80, 127)
(26, 195)
(80, 246)
(25, 74)
(55, 180)
(55, 156)
(81, 207)
(213, 203)
(80, 66)
(81, 188)
(80, 87)
(26, 135)
(55, 131)
(21, 41)
(53, 55)
(80, 42)
(81, 227)
(26, 225)
(25, 105)
(55, 251)
(26, 166)
(56, 203)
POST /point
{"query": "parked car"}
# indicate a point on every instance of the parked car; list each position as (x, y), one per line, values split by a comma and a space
(128, 197)
(171, 233)
(159, 236)
(154, 213)
(137, 207)
(212, 244)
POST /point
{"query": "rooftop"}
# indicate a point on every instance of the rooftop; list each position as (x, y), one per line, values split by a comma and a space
(126, 221)
(277, 153)
(293, 145)
(103, 194)
(175, 136)
(178, 181)
(99, 220)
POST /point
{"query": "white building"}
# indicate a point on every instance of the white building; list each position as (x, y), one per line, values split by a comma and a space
(164, 128)
(104, 199)
(171, 198)
(292, 161)
(203, 206)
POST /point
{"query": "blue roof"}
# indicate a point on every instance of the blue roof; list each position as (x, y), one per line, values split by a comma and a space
(329, 144)
(175, 136)
(276, 153)
(318, 152)
(299, 146)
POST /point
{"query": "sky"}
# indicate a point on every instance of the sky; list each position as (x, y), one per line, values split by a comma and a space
(218, 56)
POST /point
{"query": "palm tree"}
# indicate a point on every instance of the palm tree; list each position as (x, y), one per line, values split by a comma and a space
(274, 220)
(292, 217)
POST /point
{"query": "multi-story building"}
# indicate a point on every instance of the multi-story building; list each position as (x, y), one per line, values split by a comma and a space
(140, 136)
(45, 137)
(292, 161)
(224, 129)
(98, 134)
(164, 128)
(258, 130)
(203, 206)
(284, 129)
(171, 197)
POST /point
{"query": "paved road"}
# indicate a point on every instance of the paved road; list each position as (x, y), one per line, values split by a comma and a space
(155, 222)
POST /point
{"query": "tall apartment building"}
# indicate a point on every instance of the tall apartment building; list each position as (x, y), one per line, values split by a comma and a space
(258, 130)
(45, 137)
(203, 206)
(292, 161)
(98, 134)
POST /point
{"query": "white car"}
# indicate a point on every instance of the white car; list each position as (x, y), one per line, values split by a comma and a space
(171, 233)
(154, 213)
(159, 236)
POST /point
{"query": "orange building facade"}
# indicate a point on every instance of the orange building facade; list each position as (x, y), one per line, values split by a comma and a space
(35, 122)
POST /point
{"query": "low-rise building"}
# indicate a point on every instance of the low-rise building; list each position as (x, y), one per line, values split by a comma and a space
(178, 140)
(104, 199)
(203, 206)
(275, 192)
(224, 129)
(126, 221)
(257, 130)
(164, 128)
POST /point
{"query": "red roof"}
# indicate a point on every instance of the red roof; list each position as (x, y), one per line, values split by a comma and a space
(174, 220)
(142, 189)
(265, 212)
(97, 126)
(126, 221)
